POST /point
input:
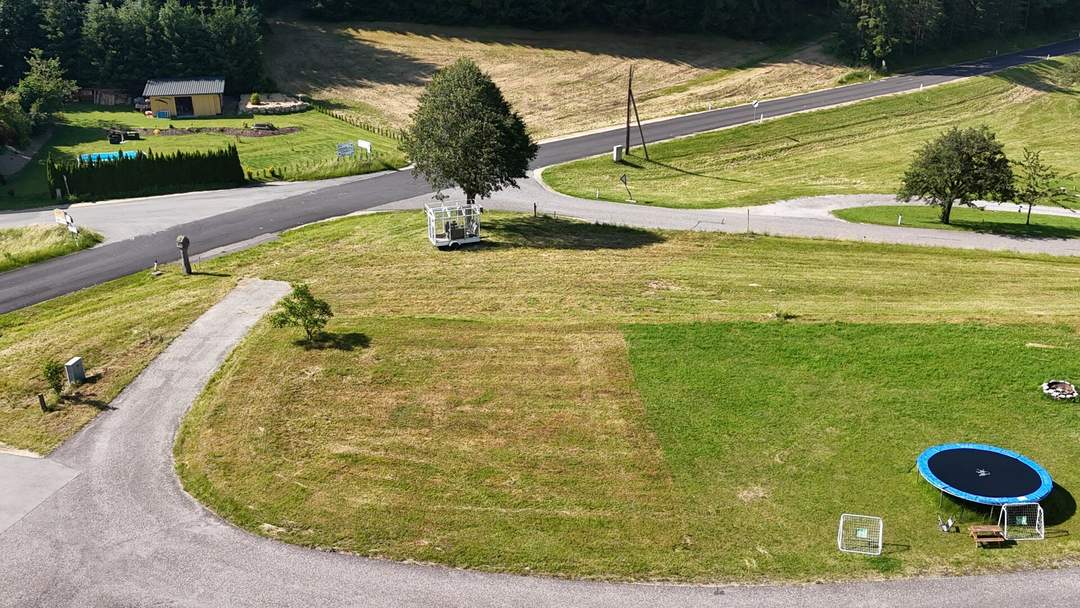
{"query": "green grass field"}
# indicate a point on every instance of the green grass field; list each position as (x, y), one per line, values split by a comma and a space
(964, 218)
(861, 148)
(594, 401)
(306, 154)
(30, 244)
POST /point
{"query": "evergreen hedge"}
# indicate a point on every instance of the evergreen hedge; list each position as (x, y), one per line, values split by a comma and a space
(146, 173)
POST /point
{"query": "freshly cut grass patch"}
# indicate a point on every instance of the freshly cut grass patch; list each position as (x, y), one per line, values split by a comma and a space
(855, 149)
(991, 222)
(518, 447)
(36, 243)
(771, 430)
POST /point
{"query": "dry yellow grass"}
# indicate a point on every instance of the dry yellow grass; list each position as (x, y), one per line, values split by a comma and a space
(37, 242)
(561, 82)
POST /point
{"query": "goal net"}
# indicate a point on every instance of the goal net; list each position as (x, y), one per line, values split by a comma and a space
(860, 534)
(1022, 521)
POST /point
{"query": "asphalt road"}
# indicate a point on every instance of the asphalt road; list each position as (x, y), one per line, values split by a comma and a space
(39, 282)
(121, 533)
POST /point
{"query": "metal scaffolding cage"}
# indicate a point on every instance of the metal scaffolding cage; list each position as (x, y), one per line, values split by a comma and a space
(450, 226)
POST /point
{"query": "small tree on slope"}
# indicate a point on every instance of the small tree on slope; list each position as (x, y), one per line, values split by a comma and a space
(465, 134)
(301, 309)
(959, 167)
(1035, 183)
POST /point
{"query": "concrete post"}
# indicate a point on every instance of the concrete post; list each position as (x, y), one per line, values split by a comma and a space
(182, 243)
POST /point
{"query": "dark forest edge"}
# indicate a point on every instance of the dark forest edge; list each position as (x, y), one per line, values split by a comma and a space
(122, 43)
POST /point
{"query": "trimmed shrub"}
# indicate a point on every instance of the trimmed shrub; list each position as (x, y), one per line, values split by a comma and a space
(147, 173)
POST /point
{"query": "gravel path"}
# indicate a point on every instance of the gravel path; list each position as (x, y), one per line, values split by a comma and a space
(806, 217)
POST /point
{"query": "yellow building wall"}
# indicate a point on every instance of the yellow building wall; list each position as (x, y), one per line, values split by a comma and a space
(163, 104)
(203, 105)
(206, 105)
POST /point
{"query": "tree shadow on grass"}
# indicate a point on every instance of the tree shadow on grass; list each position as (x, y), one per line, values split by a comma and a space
(1039, 76)
(544, 232)
(347, 341)
(1029, 231)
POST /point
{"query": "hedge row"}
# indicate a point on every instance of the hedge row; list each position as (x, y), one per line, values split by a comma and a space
(146, 173)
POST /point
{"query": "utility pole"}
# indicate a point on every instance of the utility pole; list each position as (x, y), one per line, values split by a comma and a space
(632, 103)
(629, 97)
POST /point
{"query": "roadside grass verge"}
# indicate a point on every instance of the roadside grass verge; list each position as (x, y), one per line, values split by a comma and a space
(560, 81)
(309, 151)
(117, 328)
(990, 222)
(857, 149)
(39, 242)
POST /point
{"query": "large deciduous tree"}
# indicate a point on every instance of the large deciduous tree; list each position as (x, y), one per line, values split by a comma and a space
(42, 90)
(959, 167)
(465, 134)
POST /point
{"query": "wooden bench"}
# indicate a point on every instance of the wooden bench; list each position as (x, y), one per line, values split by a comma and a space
(986, 535)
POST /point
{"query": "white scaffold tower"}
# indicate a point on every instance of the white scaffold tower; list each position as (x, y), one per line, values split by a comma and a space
(452, 225)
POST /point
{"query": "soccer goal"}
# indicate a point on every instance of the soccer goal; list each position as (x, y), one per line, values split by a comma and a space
(1022, 521)
(860, 534)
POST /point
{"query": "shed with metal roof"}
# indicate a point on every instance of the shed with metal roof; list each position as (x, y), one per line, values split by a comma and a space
(185, 97)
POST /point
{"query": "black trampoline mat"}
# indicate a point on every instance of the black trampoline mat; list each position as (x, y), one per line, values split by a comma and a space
(984, 473)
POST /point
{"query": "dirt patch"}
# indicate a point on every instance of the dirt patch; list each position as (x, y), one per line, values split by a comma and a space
(752, 494)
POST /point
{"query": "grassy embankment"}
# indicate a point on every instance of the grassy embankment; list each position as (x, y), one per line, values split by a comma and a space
(22, 246)
(309, 153)
(861, 148)
(963, 218)
(596, 401)
(561, 82)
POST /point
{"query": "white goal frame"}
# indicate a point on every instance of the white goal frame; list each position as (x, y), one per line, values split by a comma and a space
(1022, 521)
(863, 534)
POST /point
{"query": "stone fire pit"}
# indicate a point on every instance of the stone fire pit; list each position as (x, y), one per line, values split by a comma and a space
(1060, 390)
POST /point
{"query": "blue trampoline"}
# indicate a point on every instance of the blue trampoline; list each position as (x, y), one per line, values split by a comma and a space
(984, 474)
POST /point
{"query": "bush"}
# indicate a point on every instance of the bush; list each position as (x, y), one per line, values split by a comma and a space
(255, 99)
(301, 309)
(53, 372)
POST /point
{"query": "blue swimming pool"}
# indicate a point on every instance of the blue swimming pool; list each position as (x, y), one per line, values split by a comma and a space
(106, 156)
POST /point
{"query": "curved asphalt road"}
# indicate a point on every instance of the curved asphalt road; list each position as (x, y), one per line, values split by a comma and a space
(121, 533)
(47, 280)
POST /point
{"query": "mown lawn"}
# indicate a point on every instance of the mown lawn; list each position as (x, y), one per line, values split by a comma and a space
(963, 218)
(30, 244)
(771, 430)
(595, 401)
(308, 153)
(861, 148)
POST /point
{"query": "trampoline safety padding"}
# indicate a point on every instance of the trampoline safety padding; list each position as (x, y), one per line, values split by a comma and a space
(984, 474)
